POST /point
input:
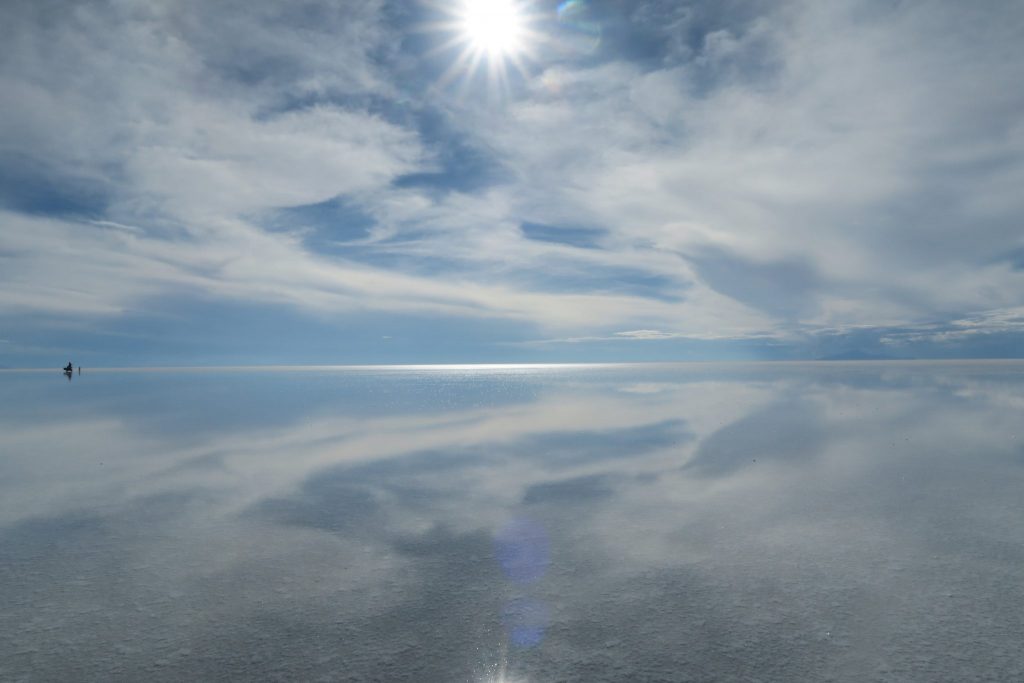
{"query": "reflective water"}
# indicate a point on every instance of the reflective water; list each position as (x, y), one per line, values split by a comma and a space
(777, 522)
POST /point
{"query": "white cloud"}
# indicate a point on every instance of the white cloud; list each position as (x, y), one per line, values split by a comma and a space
(108, 271)
(858, 154)
(646, 334)
(875, 153)
(1001, 321)
(188, 152)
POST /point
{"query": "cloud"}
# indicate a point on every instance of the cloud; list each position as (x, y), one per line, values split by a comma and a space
(985, 323)
(842, 170)
(661, 335)
(107, 271)
(192, 137)
(646, 334)
(708, 171)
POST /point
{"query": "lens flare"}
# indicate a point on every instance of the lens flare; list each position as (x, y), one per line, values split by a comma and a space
(579, 31)
(525, 619)
(523, 550)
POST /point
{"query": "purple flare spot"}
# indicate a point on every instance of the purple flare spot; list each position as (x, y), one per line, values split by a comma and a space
(522, 549)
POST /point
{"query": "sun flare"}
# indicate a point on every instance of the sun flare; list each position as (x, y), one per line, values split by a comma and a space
(493, 26)
(498, 37)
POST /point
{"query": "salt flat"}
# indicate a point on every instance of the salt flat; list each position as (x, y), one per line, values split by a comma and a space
(770, 522)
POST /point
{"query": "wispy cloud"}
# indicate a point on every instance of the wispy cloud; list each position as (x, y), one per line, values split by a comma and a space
(1005, 321)
(714, 173)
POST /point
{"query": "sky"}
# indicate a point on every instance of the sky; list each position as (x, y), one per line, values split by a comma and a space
(314, 181)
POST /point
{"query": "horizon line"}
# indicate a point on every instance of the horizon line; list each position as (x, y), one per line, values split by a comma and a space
(485, 366)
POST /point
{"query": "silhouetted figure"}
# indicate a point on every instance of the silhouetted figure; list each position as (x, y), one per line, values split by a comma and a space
(79, 370)
(69, 368)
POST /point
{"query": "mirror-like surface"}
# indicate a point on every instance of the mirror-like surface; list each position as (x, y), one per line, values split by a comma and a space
(777, 522)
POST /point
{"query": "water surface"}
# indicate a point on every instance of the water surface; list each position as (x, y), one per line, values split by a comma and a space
(772, 522)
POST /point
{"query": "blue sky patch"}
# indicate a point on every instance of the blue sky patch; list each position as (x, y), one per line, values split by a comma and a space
(586, 238)
(325, 224)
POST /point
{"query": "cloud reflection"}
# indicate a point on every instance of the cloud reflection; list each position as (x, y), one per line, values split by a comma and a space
(811, 521)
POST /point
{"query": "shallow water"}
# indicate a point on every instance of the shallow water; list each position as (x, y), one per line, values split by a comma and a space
(772, 522)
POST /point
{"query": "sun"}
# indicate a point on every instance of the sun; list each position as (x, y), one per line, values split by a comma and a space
(493, 26)
(493, 36)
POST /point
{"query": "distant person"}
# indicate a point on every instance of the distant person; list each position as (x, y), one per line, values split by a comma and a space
(79, 369)
(69, 367)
